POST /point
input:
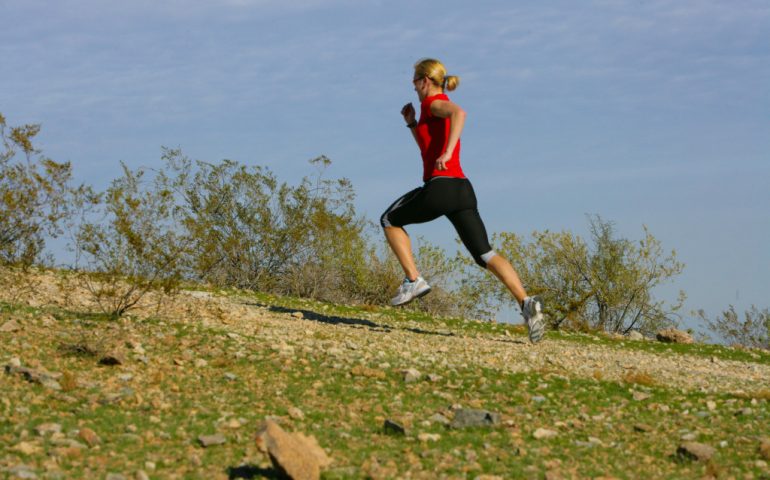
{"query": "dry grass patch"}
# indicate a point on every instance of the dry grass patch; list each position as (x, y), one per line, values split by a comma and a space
(639, 378)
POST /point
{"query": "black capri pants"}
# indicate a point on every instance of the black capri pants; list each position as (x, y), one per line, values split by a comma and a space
(444, 196)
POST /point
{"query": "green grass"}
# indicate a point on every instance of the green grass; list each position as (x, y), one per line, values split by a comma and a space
(169, 405)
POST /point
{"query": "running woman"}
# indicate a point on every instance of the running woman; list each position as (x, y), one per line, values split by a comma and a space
(446, 192)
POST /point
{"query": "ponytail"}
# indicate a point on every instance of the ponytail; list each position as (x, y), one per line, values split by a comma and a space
(451, 82)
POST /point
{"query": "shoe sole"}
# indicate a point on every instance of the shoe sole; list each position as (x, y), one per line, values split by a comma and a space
(538, 337)
(539, 333)
(421, 294)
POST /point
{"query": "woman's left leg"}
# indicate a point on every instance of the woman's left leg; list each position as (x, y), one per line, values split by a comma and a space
(473, 234)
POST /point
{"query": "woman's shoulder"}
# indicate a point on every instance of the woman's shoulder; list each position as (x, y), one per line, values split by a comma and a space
(439, 96)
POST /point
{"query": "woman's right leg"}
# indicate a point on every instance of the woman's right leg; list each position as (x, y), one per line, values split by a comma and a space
(401, 245)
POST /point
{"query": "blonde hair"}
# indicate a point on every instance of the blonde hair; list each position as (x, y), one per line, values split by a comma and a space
(436, 72)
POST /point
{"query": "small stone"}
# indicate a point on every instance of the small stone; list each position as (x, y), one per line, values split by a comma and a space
(544, 433)
(296, 413)
(230, 376)
(298, 315)
(112, 359)
(89, 436)
(764, 449)
(429, 437)
(711, 405)
(538, 399)
(744, 412)
(411, 375)
(200, 363)
(391, 427)
(465, 417)
(211, 440)
(695, 451)
(115, 476)
(10, 326)
(150, 466)
(642, 427)
(14, 362)
(141, 475)
(22, 471)
(440, 419)
(432, 377)
(688, 437)
(760, 464)
(46, 428)
(635, 335)
(641, 396)
(27, 448)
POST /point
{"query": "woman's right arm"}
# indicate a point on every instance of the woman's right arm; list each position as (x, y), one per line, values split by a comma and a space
(410, 118)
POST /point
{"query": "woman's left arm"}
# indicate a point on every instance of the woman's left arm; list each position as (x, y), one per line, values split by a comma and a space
(444, 109)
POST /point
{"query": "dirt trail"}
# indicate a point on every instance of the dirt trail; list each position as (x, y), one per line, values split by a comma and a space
(370, 336)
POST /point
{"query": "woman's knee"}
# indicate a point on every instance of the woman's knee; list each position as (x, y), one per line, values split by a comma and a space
(483, 259)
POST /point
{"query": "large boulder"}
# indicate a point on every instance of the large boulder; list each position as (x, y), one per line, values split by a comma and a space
(296, 455)
(672, 335)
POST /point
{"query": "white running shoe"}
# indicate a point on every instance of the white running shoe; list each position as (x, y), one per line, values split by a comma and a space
(409, 290)
(533, 315)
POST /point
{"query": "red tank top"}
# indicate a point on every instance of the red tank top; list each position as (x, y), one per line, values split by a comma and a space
(432, 137)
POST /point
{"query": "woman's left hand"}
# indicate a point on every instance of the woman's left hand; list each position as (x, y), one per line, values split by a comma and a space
(442, 161)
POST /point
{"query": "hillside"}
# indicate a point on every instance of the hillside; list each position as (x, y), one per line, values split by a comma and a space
(88, 397)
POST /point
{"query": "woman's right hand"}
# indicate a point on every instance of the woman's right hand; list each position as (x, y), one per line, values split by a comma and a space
(408, 113)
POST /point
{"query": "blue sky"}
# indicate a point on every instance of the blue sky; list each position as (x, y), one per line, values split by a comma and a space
(645, 112)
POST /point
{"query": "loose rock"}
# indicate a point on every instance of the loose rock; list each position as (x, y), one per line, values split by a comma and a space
(695, 451)
(429, 437)
(112, 359)
(211, 440)
(296, 413)
(391, 427)
(411, 375)
(465, 417)
(672, 335)
(764, 449)
(89, 436)
(294, 454)
(10, 326)
(46, 428)
(45, 379)
(635, 335)
(543, 433)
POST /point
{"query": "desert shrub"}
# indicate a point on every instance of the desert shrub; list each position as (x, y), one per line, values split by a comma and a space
(605, 284)
(752, 331)
(36, 196)
(134, 246)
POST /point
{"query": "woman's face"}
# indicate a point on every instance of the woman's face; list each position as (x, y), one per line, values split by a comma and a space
(421, 86)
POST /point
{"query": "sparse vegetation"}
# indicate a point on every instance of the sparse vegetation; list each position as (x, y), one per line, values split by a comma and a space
(752, 331)
(605, 284)
(187, 373)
